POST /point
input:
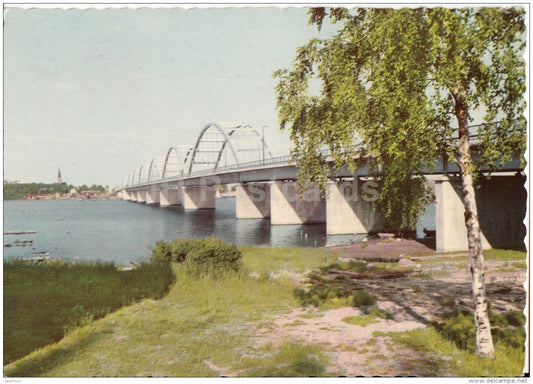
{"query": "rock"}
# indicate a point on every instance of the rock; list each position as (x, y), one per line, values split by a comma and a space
(404, 262)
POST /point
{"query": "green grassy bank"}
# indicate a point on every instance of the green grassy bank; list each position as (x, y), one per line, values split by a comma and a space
(44, 301)
(207, 325)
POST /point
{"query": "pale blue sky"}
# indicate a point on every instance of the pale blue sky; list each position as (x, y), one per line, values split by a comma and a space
(100, 92)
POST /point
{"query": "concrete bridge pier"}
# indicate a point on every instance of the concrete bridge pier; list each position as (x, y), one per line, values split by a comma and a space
(126, 195)
(351, 208)
(253, 201)
(141, 197)
(501, 203)
(202, 197)
(133, 196)
(170, 197)
(286, 207)
(152, 196)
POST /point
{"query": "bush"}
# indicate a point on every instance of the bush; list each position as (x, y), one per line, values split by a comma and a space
(213, 255)
(352, 266)
(319, 294)
(162, 252)
(507, 328)
(459, 327)
(381, 313)
(200, 255)
(363, 299)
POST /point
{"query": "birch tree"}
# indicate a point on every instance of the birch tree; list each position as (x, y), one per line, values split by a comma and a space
(402, 85)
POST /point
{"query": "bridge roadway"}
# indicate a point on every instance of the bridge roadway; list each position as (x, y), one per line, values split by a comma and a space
(266, 189)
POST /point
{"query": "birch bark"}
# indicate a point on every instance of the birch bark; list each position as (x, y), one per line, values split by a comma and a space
(484, 344)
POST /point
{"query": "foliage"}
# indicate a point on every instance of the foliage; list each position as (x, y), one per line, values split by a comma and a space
(14, 191)
(392, 80)
(439, 354)
(378, 312)
(200, 319)
(459, 327)
(17, 191)
(352, 266)
(200, 255)
(319, 294)
(44, 301)
(363, 299)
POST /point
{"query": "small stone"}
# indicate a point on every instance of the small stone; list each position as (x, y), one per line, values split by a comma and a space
(404, 262)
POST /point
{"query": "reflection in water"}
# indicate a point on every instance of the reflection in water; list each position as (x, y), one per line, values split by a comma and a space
(121, 231)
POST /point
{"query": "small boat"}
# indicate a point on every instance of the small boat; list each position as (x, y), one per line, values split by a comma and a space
(19, 232)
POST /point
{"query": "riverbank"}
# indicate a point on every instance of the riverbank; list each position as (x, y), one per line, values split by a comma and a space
(43, 301)
(252, 324)
(392, 250)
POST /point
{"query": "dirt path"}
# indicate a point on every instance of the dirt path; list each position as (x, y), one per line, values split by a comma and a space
(355, 351)
(386, 250)
(414, 302)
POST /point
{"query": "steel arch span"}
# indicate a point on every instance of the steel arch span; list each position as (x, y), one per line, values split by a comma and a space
(230, 143)
(155, 171)
(142, 173)
(176, 161)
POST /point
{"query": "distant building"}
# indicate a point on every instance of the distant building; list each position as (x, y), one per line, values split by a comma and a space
(89, 194)
(35, 197)
(59, 179)
(73, 192)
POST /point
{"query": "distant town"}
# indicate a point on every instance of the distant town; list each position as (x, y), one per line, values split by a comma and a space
(14, 190)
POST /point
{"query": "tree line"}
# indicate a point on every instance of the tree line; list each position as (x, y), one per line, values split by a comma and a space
(16, 191)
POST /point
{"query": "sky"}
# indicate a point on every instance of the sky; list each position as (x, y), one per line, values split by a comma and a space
(100, 92)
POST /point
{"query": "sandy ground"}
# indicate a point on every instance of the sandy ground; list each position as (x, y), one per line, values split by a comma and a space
(414, 302)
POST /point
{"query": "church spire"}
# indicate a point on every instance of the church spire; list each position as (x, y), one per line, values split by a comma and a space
(59, 179)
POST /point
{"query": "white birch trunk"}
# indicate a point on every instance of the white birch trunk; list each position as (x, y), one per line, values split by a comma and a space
(484, 344)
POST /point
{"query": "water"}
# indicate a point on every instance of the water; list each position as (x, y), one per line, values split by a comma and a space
(122, 231)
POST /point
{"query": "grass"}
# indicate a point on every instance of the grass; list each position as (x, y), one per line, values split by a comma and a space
(259, 259)
(360, 321)
(207, 327)
(504, 254)
(311, 315)
(42, 302)
(291, 360)
(201, 319)
(439, 354)
(520, 265)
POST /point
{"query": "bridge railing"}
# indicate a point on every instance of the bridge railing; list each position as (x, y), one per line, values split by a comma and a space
(474, 137)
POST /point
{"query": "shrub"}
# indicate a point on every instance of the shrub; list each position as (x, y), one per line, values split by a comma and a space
(378, 312)
(200, 255)
(507, 328)
(363, 298)
(213, 255)
(319, 294)
(352, 266)
(459, 327)
(162, 252)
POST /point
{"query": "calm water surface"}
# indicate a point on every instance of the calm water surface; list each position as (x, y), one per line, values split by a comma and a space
(121, 231)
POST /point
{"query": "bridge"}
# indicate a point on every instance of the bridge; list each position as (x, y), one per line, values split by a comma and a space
(236, 153)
